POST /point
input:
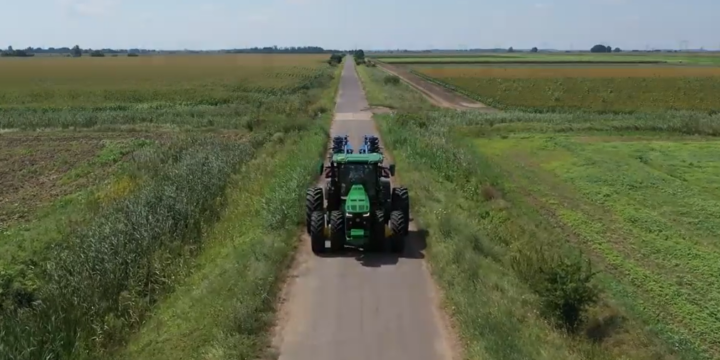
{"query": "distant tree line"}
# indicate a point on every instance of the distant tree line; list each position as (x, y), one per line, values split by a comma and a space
(76, 51)
(10, 52)
(282, 50)
(604, 49)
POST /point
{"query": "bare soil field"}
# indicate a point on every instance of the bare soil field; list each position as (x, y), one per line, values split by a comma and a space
(37, 168)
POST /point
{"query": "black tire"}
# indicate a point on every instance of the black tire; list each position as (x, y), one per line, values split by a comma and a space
(313, 202)
(386, 196)
(398, 224)
(337, 230)
(332, 197)
(401, 201)
(377, 239)
(317, 232)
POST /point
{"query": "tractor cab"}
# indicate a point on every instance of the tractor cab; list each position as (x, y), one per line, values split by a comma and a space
(351, 174)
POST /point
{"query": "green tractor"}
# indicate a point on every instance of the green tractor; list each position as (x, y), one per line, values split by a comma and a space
(357, 207)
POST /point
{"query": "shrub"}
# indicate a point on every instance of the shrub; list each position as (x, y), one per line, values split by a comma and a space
(391, 80)
(335, 59)
(564, 284)
(132, 55)
(97, 53)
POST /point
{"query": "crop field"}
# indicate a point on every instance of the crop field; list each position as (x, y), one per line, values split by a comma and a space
(644, 205)
(587, 88)
(635, 194)
(560, 58)
(113, 174)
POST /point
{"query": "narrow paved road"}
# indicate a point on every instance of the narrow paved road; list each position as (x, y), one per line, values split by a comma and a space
(357, 306)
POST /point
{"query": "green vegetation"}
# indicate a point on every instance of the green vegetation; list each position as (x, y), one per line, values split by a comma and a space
(82, 272)
(391, 80)
(516, 204)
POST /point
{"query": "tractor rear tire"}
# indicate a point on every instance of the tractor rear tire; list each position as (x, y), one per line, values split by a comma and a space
(401, 201)
(377, 235)
(337, 231)
(313, 202)
(398, 224)
(317, 232)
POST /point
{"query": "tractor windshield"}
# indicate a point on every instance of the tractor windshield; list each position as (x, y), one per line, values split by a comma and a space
(363, 174)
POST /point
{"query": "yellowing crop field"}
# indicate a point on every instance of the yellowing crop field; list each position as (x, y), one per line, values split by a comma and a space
(614, 89)
(571, 72)
(207, 79)
(189, 90)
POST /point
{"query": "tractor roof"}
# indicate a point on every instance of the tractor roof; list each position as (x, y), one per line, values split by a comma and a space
(372, 158)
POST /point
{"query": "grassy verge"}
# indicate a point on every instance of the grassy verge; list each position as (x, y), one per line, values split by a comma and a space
(493, 224)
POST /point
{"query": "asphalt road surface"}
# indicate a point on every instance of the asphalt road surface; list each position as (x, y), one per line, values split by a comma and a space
(355, 306)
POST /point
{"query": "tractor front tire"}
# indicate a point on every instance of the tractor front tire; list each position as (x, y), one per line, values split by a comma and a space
(401, 202)
(398, 224)
(313, 202)
(317, 232)
(337, 231)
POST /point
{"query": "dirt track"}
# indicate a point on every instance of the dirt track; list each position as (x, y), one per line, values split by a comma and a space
(437, 94)
(356, 306)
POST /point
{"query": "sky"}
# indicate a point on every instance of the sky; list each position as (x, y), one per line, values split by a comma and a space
(366, 24)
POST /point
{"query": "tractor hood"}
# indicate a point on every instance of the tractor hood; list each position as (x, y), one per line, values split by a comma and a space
(357, 201)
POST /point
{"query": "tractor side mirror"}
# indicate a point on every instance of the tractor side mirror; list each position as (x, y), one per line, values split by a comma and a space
(321, 168)
(392, 169)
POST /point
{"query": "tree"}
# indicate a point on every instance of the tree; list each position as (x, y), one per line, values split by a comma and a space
(617, 50)
(534, 50)
(609, 49)
(599, 49)
(335, 59)
(76, 52)
(97, 53)
(359, 57)
(511, 49)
